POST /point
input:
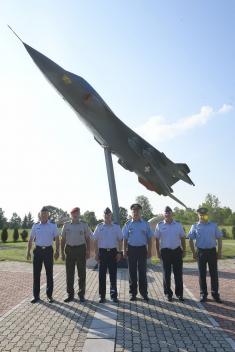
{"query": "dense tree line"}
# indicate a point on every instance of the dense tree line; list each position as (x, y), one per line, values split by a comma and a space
(15, 222)
(221, 215)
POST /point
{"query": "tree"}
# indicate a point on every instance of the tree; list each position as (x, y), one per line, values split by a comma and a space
(146, 207)
(185, 216)
(24, 235)
(4, 234)
(57, 215)
(233, 232)
(211, 201)
(15, 234)
(24, 222)
(123, 214)
(15, 221)
(30, 221)
(3, 220)
(90, 218)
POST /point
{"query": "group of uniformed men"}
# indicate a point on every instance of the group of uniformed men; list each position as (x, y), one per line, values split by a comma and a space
(137, 235)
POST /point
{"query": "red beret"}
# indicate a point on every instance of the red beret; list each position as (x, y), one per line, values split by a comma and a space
(74, 210)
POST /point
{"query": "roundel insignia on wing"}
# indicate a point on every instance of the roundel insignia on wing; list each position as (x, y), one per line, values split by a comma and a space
(66, 79)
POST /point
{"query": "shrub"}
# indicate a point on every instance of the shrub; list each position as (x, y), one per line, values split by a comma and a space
(24, 235)
(233, 231)
(225, 233)
(15, 235)
(4, 235)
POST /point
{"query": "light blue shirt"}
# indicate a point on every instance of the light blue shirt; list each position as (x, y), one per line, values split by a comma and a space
(107, 235)
(44, 234)
(169, 234)
(205, 234)
(137, 233)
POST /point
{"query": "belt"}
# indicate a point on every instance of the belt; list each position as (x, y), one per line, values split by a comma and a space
(129, 245)
(68, 245)
(171, 249)
(108, 249)
(206, 249)
(43, 247)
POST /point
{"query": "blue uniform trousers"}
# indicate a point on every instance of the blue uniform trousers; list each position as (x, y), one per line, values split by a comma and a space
(108, 260)
(172, 258)
(42, 255)
(208, 256)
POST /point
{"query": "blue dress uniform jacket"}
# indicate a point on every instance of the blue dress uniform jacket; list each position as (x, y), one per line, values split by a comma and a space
(169, 234)
(205, 234)
(107, 235)
(137, 233)
(44, 234)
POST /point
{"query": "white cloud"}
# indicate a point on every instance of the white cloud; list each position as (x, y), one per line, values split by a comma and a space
(157, 129)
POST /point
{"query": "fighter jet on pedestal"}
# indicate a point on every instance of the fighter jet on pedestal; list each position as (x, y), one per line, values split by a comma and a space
(154, 170)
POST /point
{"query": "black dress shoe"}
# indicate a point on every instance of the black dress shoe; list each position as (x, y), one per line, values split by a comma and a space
(35, 300)
(217, 299)
(169, 298)
(102, 300)
(68, 299)
(133, 298)
(82, 299)
(181, 298)
(203, 298)
(115, 300)
(50, 300)
(146, 298)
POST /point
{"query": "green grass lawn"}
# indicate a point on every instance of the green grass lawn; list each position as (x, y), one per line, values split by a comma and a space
(17, 251)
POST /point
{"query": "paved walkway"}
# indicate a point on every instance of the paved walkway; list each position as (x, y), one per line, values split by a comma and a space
(155, 326)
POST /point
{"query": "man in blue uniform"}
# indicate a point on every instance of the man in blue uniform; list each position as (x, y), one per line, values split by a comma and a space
(170, 245)
(43, 234)
(137, 247)
(206, 233)
(108, 237)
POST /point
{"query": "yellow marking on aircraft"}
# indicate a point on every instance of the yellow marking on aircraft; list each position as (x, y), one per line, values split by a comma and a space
(66, 79)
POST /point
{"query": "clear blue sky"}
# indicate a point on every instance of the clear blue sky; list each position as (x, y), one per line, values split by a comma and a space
(166, 68)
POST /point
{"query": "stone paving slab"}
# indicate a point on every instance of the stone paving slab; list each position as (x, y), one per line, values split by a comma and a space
(104, 346)
(155, 326)
(224, 314)
(16, 283)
